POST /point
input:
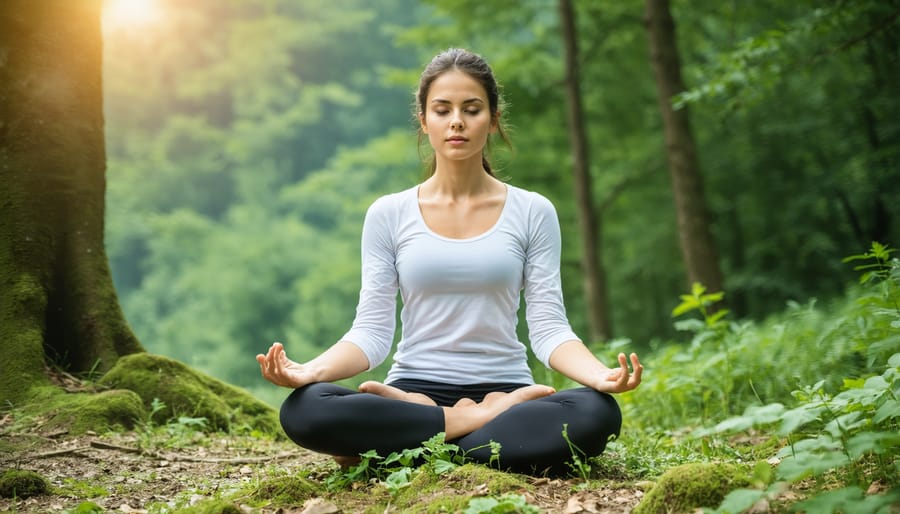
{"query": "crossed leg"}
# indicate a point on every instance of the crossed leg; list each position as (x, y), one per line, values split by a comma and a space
(527, 422)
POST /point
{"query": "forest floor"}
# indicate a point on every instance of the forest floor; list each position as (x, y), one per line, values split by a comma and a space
(145, 471)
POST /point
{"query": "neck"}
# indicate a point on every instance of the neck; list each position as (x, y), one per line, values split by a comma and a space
(459, 178)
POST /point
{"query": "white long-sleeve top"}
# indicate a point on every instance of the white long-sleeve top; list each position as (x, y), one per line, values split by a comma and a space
(460, 296)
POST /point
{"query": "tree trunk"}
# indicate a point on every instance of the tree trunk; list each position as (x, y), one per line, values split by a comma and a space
(697, 246)
(58, 305)
(588, 219)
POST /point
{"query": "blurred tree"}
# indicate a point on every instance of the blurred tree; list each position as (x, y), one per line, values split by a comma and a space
(588, 218)
(788, 100)
(58, 305)
(697, 244)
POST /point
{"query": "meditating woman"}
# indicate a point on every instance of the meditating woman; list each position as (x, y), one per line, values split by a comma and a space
(459, 247)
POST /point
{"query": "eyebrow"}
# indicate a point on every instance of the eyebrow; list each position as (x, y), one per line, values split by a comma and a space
(469, 101)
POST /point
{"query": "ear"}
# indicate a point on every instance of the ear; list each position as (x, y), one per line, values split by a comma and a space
(495, 121)
(421, 117)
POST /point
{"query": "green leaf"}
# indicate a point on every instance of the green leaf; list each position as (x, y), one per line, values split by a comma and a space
(717, 316)
(688, 303)
(796, 418)
(838, 500)
(889, 410)
(739, 500)
(441, 466)
(808, 465)
(872, 442)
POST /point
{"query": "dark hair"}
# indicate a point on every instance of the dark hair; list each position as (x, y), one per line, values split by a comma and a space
(474, 66)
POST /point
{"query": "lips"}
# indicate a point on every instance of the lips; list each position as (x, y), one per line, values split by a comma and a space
(456, 139)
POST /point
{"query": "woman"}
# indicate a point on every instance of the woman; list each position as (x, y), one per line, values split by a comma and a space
(459, 247)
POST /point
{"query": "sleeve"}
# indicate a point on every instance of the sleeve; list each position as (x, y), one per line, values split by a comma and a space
(545, 312)
(373, 328)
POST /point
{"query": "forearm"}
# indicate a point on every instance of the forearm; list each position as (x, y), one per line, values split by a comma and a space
(343, 360)
(574, 360)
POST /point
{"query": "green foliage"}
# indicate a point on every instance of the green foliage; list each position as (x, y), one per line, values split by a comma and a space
(850, 436)
(397, 470)
(504, 503)
(87, 507)
(173, 432)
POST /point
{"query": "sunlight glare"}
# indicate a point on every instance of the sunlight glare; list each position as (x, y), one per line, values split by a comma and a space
(129, 13)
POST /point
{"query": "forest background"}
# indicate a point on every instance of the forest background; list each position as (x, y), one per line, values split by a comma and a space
(245, 140)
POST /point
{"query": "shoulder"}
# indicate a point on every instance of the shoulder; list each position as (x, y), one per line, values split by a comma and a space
(393, 205)
(531, 203)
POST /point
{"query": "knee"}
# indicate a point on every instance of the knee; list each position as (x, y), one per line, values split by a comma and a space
(300, 412)
(608, 408)
(603, 412)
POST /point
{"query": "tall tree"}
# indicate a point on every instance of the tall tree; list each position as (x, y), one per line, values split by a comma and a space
(57, 300)
(697, 245)
(594, 276)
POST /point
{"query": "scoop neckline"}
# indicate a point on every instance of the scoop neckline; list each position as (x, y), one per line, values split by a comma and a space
(486, 233)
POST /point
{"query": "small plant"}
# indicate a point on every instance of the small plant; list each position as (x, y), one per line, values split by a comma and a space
(580, 462)
(703, 302)
(506, 503)
(176, 430)
(397, 470)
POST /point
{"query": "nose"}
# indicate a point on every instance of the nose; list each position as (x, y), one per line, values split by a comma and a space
(456, 123)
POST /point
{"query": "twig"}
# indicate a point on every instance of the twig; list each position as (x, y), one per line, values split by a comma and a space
(56, 453)
(108, 446)
(216, 460)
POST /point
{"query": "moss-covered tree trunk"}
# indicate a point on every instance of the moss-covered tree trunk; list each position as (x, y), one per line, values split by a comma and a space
(57, 300)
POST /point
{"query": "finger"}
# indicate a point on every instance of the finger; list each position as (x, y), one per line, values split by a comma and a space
(273, 368)
(638, 369)
(623, 373)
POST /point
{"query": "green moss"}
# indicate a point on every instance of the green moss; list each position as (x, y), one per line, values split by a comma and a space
(80, 489)
(82, 412)
(283, 491)
(688, 487)
(187, 392)
(22, 484)
(212, 507)
(21, 330)
(87, 508)
(429, 492)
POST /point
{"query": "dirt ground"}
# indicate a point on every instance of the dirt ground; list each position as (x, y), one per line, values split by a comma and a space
(111, 471)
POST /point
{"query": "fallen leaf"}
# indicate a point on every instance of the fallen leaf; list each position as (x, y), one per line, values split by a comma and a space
(319, 506)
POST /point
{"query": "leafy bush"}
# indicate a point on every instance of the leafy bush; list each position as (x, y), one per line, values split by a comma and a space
(845, 442)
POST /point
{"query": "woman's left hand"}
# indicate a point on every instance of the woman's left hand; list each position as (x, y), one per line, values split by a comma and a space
(619, 380)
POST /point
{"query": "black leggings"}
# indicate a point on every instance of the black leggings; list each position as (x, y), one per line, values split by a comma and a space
(332, 419)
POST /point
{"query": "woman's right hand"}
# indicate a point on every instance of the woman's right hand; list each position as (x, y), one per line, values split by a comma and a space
(281, 371)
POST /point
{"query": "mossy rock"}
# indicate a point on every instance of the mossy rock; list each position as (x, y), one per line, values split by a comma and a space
(284, 491)
(187, 392)
(16, 483)
(688, 487)
(82, 412)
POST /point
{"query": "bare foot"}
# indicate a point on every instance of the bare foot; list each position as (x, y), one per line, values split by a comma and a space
(466, 417)
(346, 462)
(392, 392)
(464, 402)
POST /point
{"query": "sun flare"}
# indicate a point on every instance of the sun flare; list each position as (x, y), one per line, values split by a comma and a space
(129, 13)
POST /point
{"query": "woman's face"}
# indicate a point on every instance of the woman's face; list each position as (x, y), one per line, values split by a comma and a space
(457, 117)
